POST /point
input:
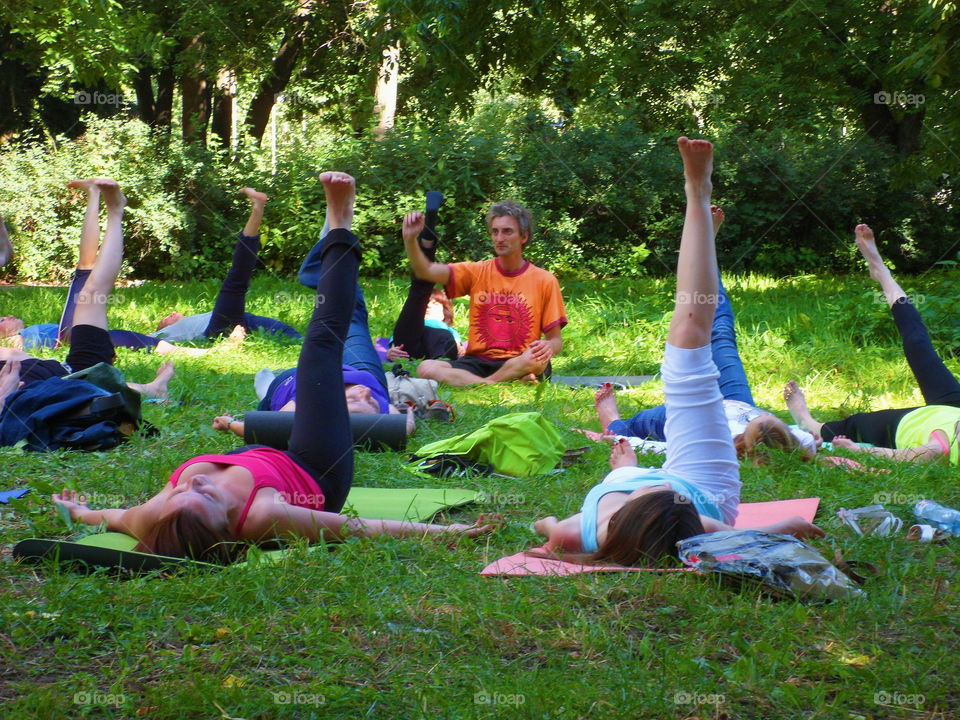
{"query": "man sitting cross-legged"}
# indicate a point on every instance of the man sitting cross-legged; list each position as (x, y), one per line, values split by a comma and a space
(512, 303)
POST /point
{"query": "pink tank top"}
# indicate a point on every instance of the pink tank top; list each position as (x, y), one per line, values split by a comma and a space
(270, 468)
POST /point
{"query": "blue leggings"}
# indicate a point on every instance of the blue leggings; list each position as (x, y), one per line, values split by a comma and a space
(358, 349)
(649, 423)
(119, 338)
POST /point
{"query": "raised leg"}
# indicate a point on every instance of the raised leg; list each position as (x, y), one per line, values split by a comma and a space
(699, 446)
(91, 301)
(230, 305)
(321, 440)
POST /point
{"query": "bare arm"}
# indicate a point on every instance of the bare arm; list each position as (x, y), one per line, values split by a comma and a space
(933, 450)
(796, 526)
(226, 423)
(284, 520)
(437, 273)
(130, 521)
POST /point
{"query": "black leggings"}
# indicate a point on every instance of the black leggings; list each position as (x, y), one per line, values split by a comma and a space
(321, 441)
(937, 384)
(418, 340)
(231, 303)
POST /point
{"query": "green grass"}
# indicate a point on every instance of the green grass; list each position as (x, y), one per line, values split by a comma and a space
(404, 629)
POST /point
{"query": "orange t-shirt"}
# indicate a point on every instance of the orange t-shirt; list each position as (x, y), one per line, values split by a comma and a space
(508, 310)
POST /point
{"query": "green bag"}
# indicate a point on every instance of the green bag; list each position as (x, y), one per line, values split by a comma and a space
(107, 377)
(518, 444)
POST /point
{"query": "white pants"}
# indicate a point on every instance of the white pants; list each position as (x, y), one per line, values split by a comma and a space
(699, 446)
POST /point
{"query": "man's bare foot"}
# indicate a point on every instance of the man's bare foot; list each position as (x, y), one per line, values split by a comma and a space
(622, 455)
(606, 405)
(867, 245)
(697, 165)
(341, 190)
(718, 217)
(113, 197)
(530, 378)
(256, 197)
(159, 387)
(88, 185)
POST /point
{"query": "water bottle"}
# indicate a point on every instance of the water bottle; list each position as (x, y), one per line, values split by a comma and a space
(939, 516)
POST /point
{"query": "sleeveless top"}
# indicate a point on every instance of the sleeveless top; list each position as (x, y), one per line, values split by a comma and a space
(915, 427)
(270, 468)
(644, 477)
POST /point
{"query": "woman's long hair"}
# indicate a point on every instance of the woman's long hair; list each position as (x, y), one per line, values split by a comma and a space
(770, 433)
(645, 531)
(185, 533)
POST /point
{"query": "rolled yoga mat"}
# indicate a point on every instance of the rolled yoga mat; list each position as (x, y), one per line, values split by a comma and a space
(371, 432)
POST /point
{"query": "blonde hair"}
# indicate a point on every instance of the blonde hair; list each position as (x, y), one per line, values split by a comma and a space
(768, 432)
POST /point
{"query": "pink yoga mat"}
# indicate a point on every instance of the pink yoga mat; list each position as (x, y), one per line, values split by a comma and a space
(751, 515)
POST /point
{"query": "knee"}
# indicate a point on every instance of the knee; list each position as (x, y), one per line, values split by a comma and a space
(426, 368)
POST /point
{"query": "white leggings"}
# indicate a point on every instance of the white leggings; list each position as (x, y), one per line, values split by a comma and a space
(699, 446)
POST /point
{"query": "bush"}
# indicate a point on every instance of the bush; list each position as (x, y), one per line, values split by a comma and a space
(607, 200)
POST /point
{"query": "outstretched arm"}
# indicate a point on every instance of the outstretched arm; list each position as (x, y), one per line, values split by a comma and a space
(796, 526)
(936, 449)
(293, 521)
(133, 521)
(423, 268)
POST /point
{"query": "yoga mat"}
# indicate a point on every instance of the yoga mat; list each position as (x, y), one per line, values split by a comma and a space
(115, 550)
(8, 495)
(371, 432)
(623, 381)
(751, 515)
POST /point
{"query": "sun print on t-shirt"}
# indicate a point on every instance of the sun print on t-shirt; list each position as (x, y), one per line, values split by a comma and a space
(504, 321)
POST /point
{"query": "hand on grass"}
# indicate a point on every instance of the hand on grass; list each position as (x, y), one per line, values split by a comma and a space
(76, 505)
(221, 423)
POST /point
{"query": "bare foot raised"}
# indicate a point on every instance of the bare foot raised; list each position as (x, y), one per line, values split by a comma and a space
(867, 245)
(799, 411)
(256, 197)
(622, 455)
(113, 197)
(697, 165)
(88, 185)
(718, 217)
(606, 405)
(341, 190)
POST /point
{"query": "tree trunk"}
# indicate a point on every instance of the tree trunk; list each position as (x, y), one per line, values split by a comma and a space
(385, 96)
(222, 121)
(163, 108)
(279, 76)
(143, 85)
(195, 93)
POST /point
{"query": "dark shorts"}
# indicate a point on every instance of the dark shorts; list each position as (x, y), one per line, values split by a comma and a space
(481, 367)
(89, 345)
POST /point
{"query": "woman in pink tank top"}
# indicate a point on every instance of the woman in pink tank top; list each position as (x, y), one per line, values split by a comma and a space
(214, 504)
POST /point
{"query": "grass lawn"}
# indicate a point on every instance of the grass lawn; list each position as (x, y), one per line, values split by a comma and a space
(392, 628)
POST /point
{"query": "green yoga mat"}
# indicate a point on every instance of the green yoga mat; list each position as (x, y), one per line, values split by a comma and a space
(115, 550)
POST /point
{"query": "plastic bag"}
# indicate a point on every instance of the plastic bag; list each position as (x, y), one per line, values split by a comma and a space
(781, 564)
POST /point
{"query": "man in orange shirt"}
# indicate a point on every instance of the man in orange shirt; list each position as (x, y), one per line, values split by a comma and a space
(512, 302)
